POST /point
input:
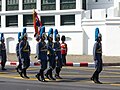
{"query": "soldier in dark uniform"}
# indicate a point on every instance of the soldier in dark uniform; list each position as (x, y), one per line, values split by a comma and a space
(24, 51)
(42, 54)
(58, 58)
(19, 67)
(3, 55)
(97, 54)
(51, 55)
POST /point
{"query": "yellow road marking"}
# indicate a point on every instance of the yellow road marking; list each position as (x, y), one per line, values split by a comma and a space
(3, 72)
(115, 84)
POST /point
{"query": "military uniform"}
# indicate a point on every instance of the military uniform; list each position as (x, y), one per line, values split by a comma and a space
(51, 55)
(19, 67)
(24, 51)
(42, 55)
(63, 50)
(3, 55)
(58, 58)
(97, 55)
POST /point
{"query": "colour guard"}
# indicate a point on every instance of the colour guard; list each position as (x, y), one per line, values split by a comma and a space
(24, 54)
(42, 54)
(58, 58)
(97, 55)
(3, 55)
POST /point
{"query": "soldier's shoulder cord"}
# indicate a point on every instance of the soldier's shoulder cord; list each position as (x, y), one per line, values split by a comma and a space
(24, 47)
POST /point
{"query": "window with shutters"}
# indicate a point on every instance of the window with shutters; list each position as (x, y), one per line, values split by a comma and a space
(12, 21)
(29, 4)
(67, 4)
(67, 20)
(48, 4)
(28, 20)
(12, 5)
(48, 20)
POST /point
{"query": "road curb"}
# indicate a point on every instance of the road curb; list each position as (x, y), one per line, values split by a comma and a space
(72, 64)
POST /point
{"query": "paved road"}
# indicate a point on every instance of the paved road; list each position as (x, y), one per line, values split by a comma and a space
(74, 78)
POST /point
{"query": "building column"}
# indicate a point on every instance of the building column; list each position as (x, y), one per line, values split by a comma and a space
(3, 21)
(57, 17)
(57, 5)
(3, 5)
(38, 5)
(20, 20)
(20, 5)
(57, 20)
(78, 4)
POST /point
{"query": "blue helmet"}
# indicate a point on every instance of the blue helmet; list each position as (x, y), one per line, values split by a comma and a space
(42, 31)
(56, 35)
(96, 33)
(50, 33)
(19, 36)
(24, 33)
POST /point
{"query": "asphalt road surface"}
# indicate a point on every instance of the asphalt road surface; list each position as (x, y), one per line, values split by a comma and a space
(74, 78)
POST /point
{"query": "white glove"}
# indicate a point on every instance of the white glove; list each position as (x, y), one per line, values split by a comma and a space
(47, 58)
(53, 49)
(39, 60)
(22, 60)
(56, 57)
(95, 63)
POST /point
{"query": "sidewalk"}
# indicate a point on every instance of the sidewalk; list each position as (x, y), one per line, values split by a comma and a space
(75, 58)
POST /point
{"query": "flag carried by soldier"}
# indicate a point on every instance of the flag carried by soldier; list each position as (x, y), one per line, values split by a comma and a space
(37, 23)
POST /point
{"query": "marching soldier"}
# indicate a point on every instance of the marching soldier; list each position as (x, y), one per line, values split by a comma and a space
(64, 50)
(97, 54)
(58, 58)
(24, 51)
(51, 55)
(19, 67)
(42, 54)
(3, 55)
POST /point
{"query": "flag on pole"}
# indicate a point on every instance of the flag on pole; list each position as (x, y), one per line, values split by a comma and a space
(36, 22)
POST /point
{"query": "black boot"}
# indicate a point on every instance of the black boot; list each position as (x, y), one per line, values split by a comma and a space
(97, 79)
(48, 74)
(3, 66)
(57, 75)
(18, 69)
(42, 76)
(25, 74)
(93, 77)
(51, 76)
(38, 76)
(21, 73)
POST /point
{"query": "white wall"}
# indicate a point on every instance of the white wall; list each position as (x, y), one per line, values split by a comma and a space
(113, 41)
(89, 38)
(101, 4)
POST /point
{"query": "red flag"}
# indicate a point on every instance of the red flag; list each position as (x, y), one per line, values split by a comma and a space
(36, 22)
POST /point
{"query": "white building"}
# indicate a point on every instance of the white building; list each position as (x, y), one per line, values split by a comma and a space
(76, 19)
